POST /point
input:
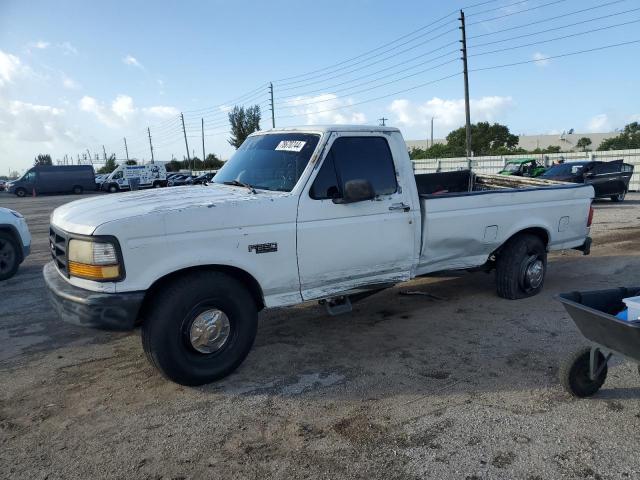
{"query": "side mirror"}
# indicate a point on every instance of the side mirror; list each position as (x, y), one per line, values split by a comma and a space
(357, 190)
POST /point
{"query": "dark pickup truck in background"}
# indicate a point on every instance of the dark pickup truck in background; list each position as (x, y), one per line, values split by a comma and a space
(609, 179)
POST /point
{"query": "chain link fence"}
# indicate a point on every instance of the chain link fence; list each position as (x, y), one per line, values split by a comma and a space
(493, 164)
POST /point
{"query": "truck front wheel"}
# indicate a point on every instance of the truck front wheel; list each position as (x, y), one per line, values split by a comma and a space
(200, 328)
(521, 267)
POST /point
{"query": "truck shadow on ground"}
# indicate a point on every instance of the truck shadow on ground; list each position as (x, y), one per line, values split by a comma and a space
(459, 337)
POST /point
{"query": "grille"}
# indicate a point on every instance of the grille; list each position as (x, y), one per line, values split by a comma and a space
(58, 243)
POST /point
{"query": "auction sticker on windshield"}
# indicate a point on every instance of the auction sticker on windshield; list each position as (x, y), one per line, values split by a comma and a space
(291, 145)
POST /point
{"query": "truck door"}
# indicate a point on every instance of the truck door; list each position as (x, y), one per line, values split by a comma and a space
(346, 245)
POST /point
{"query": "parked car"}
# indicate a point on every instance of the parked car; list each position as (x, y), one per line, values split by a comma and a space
(151, 175)
(54, 179)
(15, 242)
(204, 178)
(179, 180)
(523, 167)
(327, 213)
(609, 179)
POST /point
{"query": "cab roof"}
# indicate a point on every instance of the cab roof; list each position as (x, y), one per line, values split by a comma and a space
(329, 128)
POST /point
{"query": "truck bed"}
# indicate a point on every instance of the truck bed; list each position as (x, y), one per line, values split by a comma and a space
(466, 217)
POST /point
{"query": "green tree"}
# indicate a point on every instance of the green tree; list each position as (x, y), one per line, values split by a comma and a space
(109, 166)
(627, 140)
(212, 162)
(486, 139)
(43, 159)
(131, 162)
(173, 166)
(243, 123)
(584, 143)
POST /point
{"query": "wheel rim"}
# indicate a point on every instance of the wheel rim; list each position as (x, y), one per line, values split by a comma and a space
(209, 331)
(7, 256)
(20, 193)
(533, 273)
(621, 196)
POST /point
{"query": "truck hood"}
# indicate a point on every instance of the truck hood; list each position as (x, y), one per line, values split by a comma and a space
(84, 216)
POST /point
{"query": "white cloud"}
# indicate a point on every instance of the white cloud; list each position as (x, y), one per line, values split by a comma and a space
(325, 108)
(39, 45)
(10, 67)
(29, 122)
(541, 59)
(161, 111)
(70, 83)
(116, 115)
(449, 114)
(67, 48)
(122, 111)
(133, 61)
(599, 123)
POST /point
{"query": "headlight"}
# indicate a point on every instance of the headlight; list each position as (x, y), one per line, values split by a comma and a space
(93, 260)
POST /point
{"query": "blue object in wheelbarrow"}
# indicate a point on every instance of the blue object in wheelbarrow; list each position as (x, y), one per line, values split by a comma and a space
(594, 313)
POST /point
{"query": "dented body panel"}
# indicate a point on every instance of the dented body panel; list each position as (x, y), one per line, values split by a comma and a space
(298, 248)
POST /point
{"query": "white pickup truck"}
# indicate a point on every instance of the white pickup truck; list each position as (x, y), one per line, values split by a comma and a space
(311, 213)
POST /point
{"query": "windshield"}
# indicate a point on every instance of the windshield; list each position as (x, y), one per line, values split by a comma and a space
(564, 170)
(270, 162)
(512, 167)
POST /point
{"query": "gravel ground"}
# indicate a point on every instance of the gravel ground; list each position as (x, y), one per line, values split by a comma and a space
(462, 385)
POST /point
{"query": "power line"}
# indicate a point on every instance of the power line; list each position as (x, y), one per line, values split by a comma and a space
(542, 59)
(395, 54)
(555, 39)
(556, 28)
(373, 99)
(377, 86)
(515, 13)
(548, 19)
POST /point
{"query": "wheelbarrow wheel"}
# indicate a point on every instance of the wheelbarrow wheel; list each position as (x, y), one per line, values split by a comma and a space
(574, 373)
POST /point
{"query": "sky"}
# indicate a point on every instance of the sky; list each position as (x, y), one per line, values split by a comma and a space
(76, 76)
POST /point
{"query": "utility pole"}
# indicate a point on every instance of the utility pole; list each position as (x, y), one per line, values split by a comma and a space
(273, 111)
(432, 131)
(150, 144)
(126, 150)
(104, 153)
(186, 144)
(203, 157)
(383, 121)
(466, 82)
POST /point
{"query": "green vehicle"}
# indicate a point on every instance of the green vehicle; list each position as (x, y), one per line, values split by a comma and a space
(523, 167)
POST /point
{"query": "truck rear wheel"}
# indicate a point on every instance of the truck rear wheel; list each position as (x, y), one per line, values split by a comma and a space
(521, 267)
(77, 190)
(200, 328)
(619, 197)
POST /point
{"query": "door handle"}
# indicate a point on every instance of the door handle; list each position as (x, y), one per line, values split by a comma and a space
(400, 206)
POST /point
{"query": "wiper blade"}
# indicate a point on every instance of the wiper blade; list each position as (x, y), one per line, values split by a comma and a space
(236, 183)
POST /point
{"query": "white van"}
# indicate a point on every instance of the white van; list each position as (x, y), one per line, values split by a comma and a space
(149, 175)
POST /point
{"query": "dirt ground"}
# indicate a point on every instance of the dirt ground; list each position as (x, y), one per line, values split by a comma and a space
(462, 385)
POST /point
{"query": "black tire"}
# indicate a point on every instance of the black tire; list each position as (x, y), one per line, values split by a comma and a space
(157, 184)
(619, 197)
(21, 192)
(165, 330)
(113, 188)
(574, 373)
(9, 256)
(523, 254)
(77, 190)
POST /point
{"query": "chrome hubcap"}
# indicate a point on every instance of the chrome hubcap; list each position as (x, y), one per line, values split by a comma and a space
(535, 273)
(210, 331)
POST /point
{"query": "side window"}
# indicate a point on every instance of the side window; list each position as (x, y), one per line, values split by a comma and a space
(352, 158)
(325, 186)
(609, 167)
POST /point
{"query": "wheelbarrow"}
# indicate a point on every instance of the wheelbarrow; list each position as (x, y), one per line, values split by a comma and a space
(584, 371)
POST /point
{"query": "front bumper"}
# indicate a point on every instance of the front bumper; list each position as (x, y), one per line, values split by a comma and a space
(107, 311)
